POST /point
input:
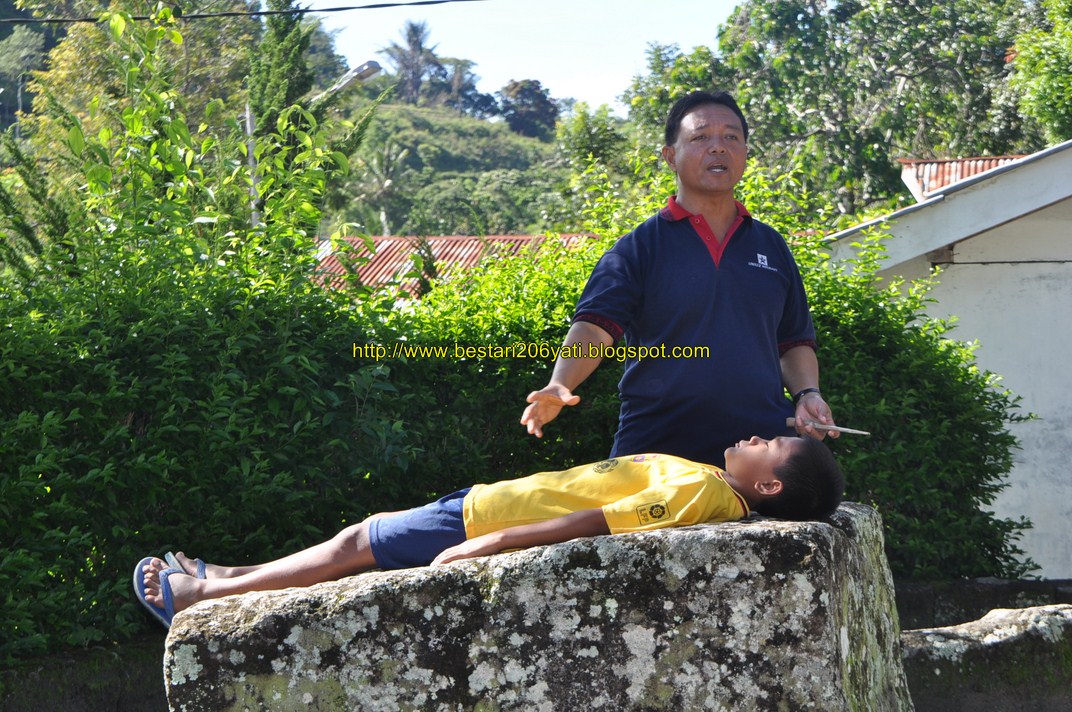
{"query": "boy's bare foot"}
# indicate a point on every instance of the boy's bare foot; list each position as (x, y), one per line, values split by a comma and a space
(189, 566)
(185, 589)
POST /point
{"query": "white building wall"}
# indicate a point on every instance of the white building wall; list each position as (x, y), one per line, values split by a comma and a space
(1011, 289)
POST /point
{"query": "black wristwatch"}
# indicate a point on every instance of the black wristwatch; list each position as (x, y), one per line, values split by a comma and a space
(806, 391)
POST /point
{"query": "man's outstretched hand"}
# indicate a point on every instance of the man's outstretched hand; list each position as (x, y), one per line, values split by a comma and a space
(545, 405)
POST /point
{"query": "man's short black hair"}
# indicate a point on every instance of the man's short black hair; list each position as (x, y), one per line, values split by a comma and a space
(698, 98)
(812, 484)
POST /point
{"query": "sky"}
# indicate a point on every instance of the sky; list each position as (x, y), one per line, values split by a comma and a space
(588, 50)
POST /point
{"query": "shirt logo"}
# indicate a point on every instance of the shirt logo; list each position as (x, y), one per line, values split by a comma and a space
(644, 458)
(605, 466)
(654, 512)
(761, 263)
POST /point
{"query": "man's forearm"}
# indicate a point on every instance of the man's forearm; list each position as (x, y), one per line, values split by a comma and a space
(572, 372)
(800, 369)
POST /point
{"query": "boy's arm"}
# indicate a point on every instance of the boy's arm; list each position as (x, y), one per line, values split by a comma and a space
(587, 522)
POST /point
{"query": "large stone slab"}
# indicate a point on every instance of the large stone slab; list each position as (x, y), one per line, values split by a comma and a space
(1008, 660)
(763, 614)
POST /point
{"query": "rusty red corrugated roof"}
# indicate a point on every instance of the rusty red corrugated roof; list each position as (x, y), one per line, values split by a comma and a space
(393, 255)
(926, 177)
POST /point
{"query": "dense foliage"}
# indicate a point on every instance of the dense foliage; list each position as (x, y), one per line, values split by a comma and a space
(278, 77)
(171, 375)
(1043, 56)
(432, 171)
(839, 91)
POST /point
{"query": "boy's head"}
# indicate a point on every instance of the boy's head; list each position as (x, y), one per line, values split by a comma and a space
(787, 477)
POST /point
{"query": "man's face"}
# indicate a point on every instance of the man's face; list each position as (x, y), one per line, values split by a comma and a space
(709, 153)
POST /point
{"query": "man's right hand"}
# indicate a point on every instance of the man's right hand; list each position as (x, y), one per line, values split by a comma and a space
(545, 405)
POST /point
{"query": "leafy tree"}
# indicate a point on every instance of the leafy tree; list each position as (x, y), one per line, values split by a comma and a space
(22, 51)
(414, 62)
(599, 135)
(529, 109)
(940, 68)
(596, 146)
(278, 74)
(1043, 63)
(184, 367)
(209, 65)
(836, 91)
(794, 76)
(456, 88)
(671, 75)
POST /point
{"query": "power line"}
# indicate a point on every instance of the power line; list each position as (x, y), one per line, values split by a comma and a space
(235, 13)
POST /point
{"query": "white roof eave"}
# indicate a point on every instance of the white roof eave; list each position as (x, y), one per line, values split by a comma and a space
(968, 208)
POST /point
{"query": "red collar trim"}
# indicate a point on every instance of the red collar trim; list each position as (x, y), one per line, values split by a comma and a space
(674, 212)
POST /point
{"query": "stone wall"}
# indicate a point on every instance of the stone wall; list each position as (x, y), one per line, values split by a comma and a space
(933, 604)
(760, 614)
(1008, 660)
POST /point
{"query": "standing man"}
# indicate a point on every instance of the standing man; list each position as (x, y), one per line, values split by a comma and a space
(701, 273)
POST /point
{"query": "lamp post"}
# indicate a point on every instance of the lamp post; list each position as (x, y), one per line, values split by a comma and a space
(360, 73)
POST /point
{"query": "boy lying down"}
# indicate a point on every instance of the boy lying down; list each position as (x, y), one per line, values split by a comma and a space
(787, 477)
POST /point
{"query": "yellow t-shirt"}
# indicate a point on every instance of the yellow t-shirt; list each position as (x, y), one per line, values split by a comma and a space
(636, 493)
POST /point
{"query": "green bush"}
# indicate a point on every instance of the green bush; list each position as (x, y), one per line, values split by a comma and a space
(221, 421)
(173, 376)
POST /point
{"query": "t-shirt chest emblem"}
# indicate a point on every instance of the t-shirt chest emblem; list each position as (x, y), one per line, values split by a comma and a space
(761, 263)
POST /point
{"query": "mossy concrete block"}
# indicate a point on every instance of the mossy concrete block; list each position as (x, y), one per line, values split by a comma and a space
(1010, 659)
(760, 614)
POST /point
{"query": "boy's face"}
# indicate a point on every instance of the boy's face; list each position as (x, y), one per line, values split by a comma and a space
(750, 464)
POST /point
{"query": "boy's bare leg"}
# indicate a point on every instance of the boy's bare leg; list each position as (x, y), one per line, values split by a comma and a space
(214, 571)
(347, 553)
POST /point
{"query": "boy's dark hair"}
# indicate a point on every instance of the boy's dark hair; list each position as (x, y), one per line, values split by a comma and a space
(812, 484)
(698, 98)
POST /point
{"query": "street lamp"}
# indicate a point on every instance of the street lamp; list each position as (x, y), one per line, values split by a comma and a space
(357, 74)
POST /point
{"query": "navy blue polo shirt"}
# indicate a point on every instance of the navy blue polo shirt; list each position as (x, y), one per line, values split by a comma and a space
(670, 284)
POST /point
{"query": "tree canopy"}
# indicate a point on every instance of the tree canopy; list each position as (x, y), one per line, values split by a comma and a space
(1043, 60)
(838, 91)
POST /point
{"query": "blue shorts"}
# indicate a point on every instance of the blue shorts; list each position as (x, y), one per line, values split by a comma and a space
(418, 535)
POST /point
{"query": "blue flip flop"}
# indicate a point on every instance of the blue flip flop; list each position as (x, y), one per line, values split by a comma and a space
(174, 563)
(167, 613)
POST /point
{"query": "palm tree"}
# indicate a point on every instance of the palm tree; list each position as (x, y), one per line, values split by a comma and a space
(414, 61)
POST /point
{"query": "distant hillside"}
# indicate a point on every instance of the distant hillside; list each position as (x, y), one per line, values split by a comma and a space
(434, 171)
